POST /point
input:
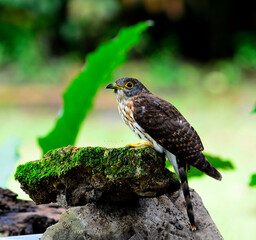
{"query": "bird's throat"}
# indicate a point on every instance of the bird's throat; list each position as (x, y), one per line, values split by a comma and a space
(121, 97)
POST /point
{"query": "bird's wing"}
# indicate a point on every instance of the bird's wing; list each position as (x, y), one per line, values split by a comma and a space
(166, 125)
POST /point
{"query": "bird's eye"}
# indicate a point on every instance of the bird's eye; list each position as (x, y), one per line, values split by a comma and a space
(129, 85)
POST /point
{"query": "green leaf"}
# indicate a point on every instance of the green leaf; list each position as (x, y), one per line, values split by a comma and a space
(254, 111)
(253, 180)
(78, 97)
(217, 162)
(8, 158)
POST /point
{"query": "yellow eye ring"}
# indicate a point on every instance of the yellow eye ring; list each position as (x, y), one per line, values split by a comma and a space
(129, 85)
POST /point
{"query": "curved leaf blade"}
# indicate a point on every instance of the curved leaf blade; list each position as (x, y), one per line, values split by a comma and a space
(78, 97)
(253, 180)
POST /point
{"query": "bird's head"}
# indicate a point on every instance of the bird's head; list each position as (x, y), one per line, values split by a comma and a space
(126, 87)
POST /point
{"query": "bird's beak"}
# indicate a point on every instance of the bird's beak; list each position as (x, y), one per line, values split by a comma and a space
(113, 86)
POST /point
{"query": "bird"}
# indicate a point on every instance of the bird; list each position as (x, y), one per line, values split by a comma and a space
(164, 128)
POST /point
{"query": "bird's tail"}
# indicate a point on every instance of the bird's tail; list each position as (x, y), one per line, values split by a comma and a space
(202, 164)
(185, 188)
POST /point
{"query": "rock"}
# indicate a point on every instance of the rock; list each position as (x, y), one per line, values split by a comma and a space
(122, 193)
(162, 217)
(77, 176)
(19, 217)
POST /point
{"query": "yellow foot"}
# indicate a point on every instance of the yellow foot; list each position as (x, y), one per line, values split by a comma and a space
(140, 145)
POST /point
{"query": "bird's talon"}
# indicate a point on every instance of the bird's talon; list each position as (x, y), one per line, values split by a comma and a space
(194, 228)
(145, 144)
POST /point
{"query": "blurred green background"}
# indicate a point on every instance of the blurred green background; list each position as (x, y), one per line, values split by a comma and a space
(199, 55)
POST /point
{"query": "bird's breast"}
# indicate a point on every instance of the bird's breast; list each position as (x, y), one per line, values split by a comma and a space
(126, 111)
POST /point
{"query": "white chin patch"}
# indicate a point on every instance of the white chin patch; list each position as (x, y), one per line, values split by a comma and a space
(121, 97)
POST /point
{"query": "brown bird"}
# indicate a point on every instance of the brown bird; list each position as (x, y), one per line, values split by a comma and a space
(164, 128)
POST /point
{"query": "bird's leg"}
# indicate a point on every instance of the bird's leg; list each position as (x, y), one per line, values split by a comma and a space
(188, 168)
(185, 188)
(140, 145)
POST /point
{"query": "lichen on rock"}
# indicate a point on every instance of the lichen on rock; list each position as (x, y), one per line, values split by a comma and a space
(75, 176)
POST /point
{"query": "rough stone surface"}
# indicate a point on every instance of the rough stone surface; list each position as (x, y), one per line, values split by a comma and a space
(163, 217)
(76, 176)
(19, 217)
(122, 193)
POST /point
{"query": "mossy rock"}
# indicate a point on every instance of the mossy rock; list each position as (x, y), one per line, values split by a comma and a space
(75, 176)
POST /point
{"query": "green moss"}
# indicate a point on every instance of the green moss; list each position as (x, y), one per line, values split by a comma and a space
(109, 163)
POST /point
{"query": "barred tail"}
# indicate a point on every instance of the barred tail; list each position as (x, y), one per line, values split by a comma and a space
(202, 164)
(185, 188)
